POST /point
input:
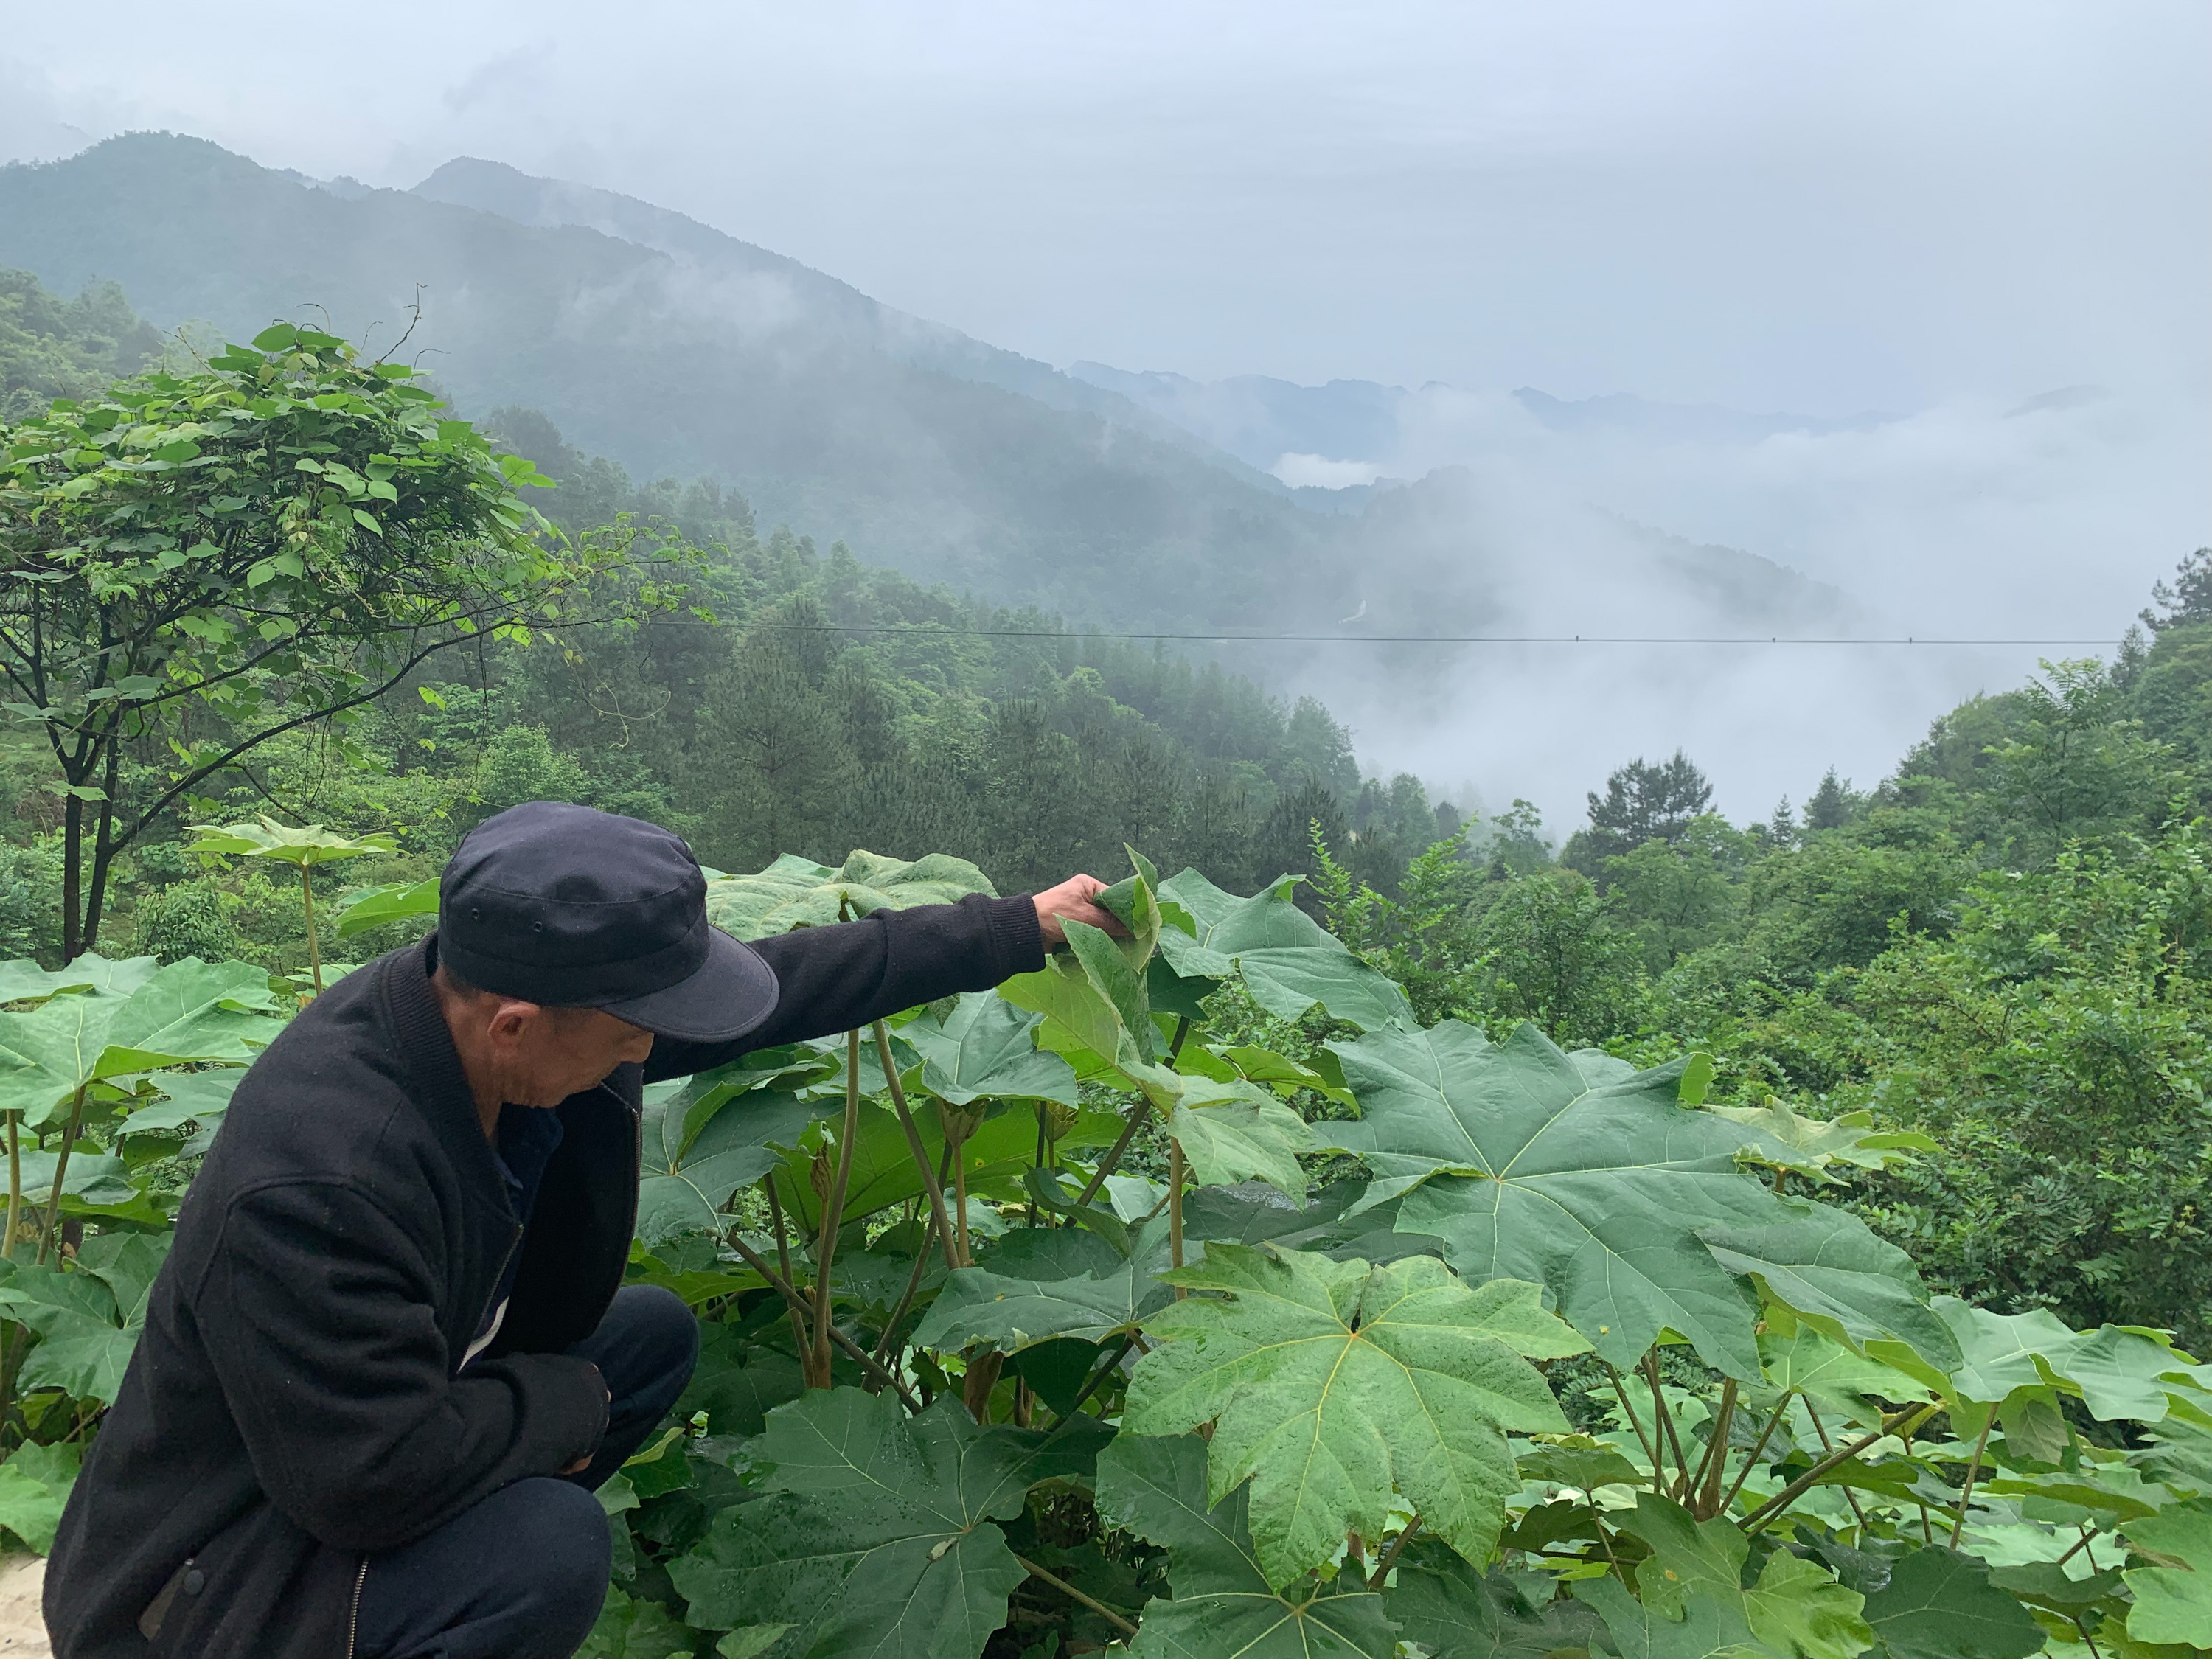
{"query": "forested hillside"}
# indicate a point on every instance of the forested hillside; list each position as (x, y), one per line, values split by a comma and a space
(796, 700)
(1405, 1238)
(679, 351)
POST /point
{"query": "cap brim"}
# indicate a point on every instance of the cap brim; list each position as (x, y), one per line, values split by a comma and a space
(731, 993)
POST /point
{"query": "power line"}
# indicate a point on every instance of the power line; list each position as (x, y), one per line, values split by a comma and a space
(930, 631)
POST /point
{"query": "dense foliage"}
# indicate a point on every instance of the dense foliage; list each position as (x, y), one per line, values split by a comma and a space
(1553, 1365)
(1784, 1240)
(198, 562)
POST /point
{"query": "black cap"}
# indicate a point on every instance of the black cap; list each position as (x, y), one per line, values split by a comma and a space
(572, 908)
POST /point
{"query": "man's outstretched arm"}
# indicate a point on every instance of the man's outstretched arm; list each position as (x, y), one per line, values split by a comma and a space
(837, 978)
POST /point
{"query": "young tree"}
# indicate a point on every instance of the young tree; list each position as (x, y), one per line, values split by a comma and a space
(198, 562)
(1834, 804)
(2187, 598)
(1642, 802)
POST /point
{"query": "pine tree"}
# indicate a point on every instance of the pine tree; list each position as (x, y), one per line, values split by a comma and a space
(2187, 598)
(1643, 802)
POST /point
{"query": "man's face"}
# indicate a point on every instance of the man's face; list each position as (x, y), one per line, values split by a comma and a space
(542, 1056)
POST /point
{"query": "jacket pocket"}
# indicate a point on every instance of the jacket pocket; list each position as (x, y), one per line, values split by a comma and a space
(260, 1589)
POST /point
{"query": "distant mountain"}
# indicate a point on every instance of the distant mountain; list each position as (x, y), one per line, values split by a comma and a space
(495, 187)
(1710, 422)
(1118, 499)
(692, 353)
(1263, 422)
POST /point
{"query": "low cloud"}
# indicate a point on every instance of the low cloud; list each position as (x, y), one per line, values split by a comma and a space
(1319, 473)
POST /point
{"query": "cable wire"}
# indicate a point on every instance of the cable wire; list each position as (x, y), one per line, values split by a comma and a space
(931, 630)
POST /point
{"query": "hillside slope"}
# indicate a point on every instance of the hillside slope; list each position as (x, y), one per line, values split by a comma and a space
(740, 365)
(678, 350)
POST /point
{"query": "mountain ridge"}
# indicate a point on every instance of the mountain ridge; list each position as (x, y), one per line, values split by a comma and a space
(829, 411)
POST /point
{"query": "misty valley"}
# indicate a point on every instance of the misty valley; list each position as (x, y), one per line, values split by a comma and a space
(1508, 1185)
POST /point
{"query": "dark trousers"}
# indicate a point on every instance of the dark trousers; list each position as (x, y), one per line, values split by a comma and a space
(521, 1575)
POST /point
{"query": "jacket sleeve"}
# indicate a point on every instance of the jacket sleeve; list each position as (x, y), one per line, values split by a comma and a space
(318, 1313)
(836, 978)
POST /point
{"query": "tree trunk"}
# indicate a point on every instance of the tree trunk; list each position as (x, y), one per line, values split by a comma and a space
(72, 872)
(104, 846)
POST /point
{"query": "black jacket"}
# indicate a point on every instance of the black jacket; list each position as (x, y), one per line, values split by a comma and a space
(294, 1405)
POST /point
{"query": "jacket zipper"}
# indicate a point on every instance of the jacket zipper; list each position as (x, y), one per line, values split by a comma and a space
(353, 1618)
(491, 1300)
(637, 1166)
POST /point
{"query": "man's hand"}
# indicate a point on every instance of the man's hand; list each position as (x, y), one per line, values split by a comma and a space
(585, 1462)
(1071, 901)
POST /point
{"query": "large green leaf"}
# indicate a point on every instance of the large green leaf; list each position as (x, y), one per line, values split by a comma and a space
(1091, 997)
(986, 1048)
(876, 1537)
(1457, 1611)
(1778, 1138)
(2172, 1603)
(1337, 1386)
(997, 1155)
(1106, 1295)
(1702, 1627)
(394, 901)
(1801, 1358)
(797, 892)
(1940, 1605)
(266, 838)
(2120, 1372)
(639, 1629)
(1796, 1610)
(1831, 1272)
(1526, 1169)
(35, 1486)
(1290, 963)
(84, 1344)
(1233, 1132)
(691, 1168)
(1223, 1602)
(198, 1098)
(189, 1011)
(23, 981)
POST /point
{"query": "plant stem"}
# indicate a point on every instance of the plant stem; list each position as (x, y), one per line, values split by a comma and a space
(1138, 1112)
(1973, 1473)
(782, 1286)
(1597, 1526)
(2087, 1638)
(2087, 1533)
(1667, 1421)
(1073, 1594)
(1828, 1445)
(61, 1169)
(885, 1342)
(960, 1193)
(1620, 1393)
(929, 1180)
(314, 951)
(1043, 1152)
(833, 1210)
(1175, 1209)
(1106, 1369)
(1912, 1416)
(1390, 1556)
(783, 1254)
(1714, 1466)
(15, 1186)
(1752, 1462)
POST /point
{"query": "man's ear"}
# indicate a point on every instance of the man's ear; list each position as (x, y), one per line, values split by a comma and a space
(509, 1018)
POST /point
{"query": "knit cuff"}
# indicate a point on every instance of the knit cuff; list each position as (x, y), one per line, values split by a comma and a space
(1016, 941)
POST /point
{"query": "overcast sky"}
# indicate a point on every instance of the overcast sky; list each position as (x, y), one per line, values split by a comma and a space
(1827, 206)
(1815, 207)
